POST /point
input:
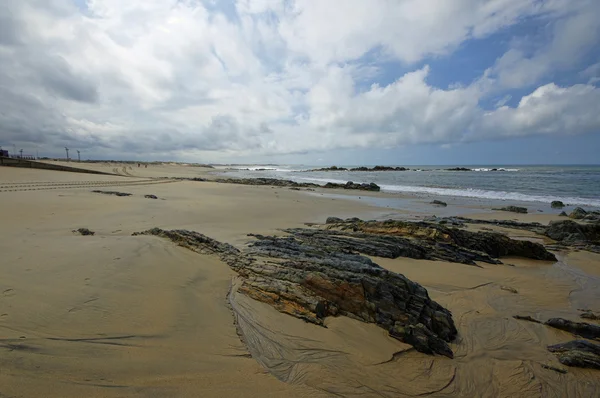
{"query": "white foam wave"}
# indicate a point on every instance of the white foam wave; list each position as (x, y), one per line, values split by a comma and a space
(496, 169)
(498, 195)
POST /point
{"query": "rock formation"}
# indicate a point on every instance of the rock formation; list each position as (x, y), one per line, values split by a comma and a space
(362, 168)
(439, 203)
(452, 240)
(289, 183)
(557, 204)
(311, 281)
(582, 329)
(514, 209)
(578, 353)
(112, 193)
(578, 213)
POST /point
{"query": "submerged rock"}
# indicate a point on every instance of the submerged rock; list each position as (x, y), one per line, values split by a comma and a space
(514, 209)
(577, 353)
(557, 204)
(311, 281)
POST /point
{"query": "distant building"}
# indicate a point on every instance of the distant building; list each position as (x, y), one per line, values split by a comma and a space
(3, 153)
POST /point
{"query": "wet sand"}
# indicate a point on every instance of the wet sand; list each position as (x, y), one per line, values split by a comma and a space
(117, 315)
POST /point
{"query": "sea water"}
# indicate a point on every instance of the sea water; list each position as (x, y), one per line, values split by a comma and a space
(573, 185)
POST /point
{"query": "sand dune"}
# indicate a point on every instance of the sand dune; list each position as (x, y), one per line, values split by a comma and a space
(120, 315)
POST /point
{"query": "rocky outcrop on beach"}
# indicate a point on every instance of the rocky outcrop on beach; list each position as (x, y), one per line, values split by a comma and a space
(571, 232)
(567, 233)
(578, 213)
(353, 185)
(589, 314)
(557, 204)
(115, 193)
(582, 329)
(289, 183)
(310, 280)
(439, 203)
(458, 169)
(577, 353)
(451, 240)
(84, 232)
(514, 209)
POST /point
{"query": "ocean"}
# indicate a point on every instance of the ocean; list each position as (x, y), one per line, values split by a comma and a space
(573, 185)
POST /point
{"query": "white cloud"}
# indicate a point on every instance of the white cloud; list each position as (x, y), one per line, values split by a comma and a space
(181, 78)
(550, 109)
(572, 36)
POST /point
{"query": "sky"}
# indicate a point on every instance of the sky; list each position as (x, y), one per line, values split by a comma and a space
(303, 81)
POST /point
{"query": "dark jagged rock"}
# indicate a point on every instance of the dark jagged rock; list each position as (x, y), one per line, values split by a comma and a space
(374, 245)
(288, 183)
(557, 204)
(578, 213)
(439, 203)
(577, 353)
(332, 168)
(309, 281)
(514, 209)
(493, 244)
(458, 169)
(526, 318)
(333, 220)
(84, 231)
(353, 185)
(112, 193)
(582, 329)
(150, 197)
(563, 214)
(571, 232)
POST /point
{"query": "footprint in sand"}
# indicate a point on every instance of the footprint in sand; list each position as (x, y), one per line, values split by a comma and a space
(3, 317)
(8, 293)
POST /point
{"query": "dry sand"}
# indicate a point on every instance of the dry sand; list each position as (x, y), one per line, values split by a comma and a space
(117, 315)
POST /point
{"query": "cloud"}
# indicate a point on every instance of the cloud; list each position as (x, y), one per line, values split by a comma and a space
(190, 78)
(571, 37)
(550, 109)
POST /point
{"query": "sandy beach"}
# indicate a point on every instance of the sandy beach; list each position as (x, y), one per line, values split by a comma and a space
(115, 315)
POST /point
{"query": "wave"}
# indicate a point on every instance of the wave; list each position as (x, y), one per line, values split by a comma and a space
(498, 195)
(474, 193)
(263, 168)
(496, 169)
